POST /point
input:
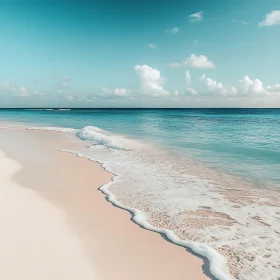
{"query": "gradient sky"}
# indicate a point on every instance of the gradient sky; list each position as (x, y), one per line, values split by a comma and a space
(115, 53)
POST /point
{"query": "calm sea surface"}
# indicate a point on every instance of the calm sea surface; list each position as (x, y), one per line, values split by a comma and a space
(241, 141)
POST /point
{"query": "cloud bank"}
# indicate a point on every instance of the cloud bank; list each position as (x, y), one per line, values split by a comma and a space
(201, 92)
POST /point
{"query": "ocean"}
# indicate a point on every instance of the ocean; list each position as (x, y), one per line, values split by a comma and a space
(210, 176)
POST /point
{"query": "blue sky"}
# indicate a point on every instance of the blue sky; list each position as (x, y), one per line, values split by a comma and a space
(115, 53)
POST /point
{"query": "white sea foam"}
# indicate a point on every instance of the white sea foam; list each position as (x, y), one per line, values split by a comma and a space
(217, 261)
(38, 109)
(173, 196)
(57, 129)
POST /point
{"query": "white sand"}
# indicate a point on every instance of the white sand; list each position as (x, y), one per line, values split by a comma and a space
(57, 194)
(35, 241)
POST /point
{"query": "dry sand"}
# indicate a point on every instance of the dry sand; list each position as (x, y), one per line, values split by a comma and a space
(35, 239)
(55, 224)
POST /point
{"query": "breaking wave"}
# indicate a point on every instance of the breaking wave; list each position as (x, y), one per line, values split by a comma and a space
(100, 137)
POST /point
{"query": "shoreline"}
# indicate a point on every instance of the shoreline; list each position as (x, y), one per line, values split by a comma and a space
(168, 259)
(138, 217)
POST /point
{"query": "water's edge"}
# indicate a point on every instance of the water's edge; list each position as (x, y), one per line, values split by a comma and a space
(217, 263)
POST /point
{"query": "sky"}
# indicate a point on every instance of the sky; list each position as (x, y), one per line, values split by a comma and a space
(139, 53)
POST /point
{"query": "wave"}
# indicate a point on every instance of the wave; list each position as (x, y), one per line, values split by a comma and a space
(99, 136)
(232, 224)
(94, 134)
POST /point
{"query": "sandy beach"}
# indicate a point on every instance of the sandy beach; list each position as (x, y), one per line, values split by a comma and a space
(56, 224)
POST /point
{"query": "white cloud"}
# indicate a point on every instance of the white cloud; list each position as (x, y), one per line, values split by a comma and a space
(20, 91)
(121, 91)
(255, 88)
(188, 77)
(38, 92)
(196, 17)
(272, 18)
(250, 93)
(152, 46)
(151, 80)
(186, 92)
(240, 21)
(245, 84)
(248, 86)
(70, 98)
(274, 88)
(175, 65)
(105, 92)
(212, 86)
(200, 61)
(14, 90)
(173, 30)
(191, 91)
(249, 89)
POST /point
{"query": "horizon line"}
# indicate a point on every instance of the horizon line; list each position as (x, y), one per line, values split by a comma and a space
(132, 108)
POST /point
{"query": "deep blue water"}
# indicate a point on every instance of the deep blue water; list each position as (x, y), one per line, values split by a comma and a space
(240, 141)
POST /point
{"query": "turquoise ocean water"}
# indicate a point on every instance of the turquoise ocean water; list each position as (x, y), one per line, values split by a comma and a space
(243, 141)
(210, 176)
